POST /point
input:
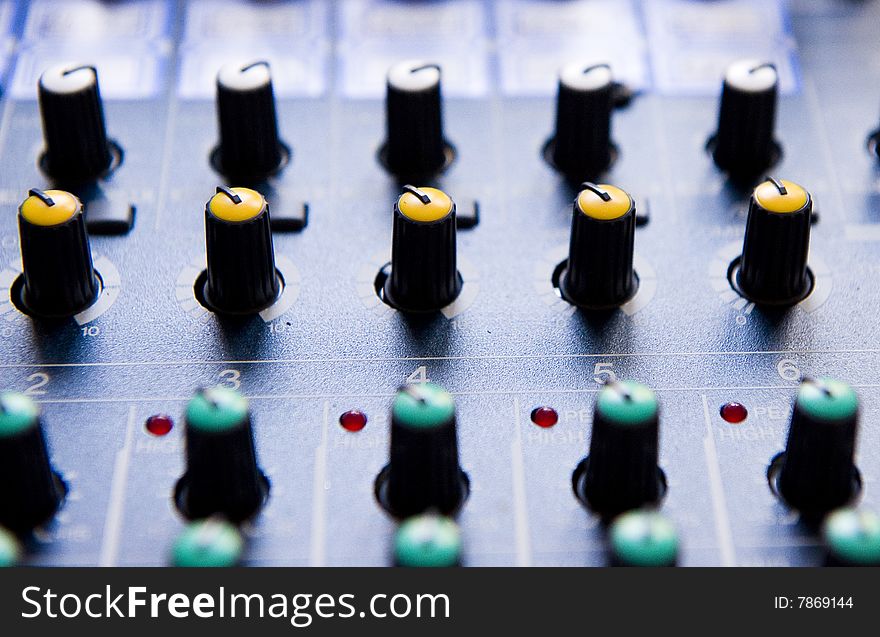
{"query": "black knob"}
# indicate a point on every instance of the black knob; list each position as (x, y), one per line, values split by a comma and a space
(852, 538)
(424, 276)
(222, 476)
(31, 491)
(415, 149)
(743, 145)
(423, 473)
(241, 275)
(581, 147)
(77, 148)
(599, 273)
(773, 268)
(250, 148)
(818, 472)
(59, 278)
(621, 472)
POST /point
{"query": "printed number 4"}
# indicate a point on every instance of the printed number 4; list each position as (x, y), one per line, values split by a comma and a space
(419, 376)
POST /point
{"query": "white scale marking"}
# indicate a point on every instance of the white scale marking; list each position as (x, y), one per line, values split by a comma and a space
(116, 507)
(723, 531)
(520, 504)
(318, 552)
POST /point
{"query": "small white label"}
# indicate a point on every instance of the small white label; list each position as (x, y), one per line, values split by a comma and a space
(93, 20)
(692, 43)
(296, 71)
(242, 20)
(133, 73)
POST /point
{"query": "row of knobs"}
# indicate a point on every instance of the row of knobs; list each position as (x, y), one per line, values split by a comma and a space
(241, 277)
(581, 147)
(78, 149)
(250, 148)
(815, 475)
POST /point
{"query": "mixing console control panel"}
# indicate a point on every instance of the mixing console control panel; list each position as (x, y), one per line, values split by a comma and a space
(459, 282)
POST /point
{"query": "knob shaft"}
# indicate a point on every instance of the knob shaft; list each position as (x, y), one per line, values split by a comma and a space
(424, 275)
(773, 269)
(222, 476)
(743, 145)
(423, 473)
(621, 471)
(818, 472)
(415, 148)
(77, 148)
(59, 277)
(600, 274)
(32, 491)
(581, 147)
(241, 275)
(250, 148)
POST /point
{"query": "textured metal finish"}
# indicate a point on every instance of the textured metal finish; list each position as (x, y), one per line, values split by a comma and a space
(695, 342)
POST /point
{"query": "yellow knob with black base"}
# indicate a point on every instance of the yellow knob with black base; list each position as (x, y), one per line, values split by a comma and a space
(241, 275)
(773, 268)
(59, 277)
(424, 275)
(599, 274)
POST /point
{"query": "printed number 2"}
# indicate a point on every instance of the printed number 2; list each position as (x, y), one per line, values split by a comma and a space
(231, 378)
(38, 380)
(419, 376)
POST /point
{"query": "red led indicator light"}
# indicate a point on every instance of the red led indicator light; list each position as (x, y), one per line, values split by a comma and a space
(734, 412)
(353, 420)
(544, 416)
(159, 425)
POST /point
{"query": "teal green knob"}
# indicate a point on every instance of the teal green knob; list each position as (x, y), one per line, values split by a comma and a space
(217, 409)
(621, 471)
(818, 472)
(222, 475)
(10, 549)
(423, 473)
(208, 543)
(627, 403)
(428, 541)
(31, 491)
(643, 538)
(424, 406)
(852, 538)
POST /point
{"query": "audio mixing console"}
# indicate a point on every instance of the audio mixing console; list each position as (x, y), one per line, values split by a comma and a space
(376, 282)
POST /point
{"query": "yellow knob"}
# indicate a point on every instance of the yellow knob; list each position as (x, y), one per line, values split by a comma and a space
(424, 204)
(786, 200)
(236, 204)
(49, 207)
(604, 202)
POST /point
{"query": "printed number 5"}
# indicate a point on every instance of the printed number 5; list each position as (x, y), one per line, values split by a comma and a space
(603, 374)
